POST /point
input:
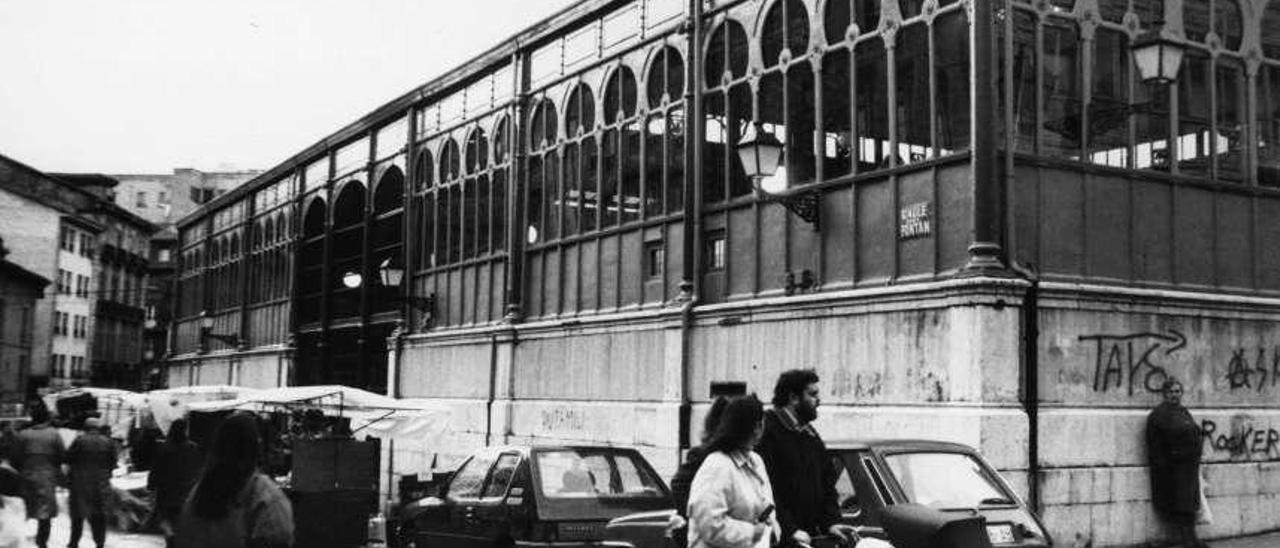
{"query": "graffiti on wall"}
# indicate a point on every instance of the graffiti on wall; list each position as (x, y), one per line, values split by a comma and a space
(1253, 370)
(1241, 439)
(1132, 361)
(561, 418)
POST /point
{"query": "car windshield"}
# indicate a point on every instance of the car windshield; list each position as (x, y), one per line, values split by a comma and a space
(946, 480)
(567, 473)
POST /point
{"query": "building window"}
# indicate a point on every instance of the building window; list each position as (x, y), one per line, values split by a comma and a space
(654, 259)
(715, 250)
(64, 282)
(86, 245)
(140, 200)
(162, 198)
(68, 239)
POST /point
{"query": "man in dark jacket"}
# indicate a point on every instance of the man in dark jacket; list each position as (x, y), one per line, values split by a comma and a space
(1173, 450)
(803, 477)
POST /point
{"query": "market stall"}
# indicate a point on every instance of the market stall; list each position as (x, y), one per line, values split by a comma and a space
(333, 439)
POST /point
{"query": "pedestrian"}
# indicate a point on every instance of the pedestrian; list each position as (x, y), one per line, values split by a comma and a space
(91, 459)
(175, 468)
(38, 453)
(730, 501)
(683, 478)
(804, 477)
(1173, 451)
(233, 505)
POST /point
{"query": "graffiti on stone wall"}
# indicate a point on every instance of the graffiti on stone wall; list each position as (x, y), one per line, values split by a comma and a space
(560, 419)
(1254, 370)
(1132, 361)
(1242, 439)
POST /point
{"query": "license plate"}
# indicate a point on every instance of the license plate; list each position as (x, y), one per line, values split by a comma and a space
(1000, 534)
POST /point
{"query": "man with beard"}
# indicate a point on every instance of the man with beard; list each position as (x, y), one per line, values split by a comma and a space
(802, 476)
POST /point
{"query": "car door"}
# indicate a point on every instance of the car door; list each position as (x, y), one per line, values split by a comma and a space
(457, 524)
(491, 518)
(872, 491)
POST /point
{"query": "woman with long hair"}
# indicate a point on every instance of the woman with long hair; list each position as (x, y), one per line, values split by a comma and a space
(234, 505)
(683, 479)
(731, 501)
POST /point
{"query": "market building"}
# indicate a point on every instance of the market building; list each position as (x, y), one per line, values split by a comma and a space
(987, 223)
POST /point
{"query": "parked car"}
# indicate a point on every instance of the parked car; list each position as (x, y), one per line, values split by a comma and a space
(876, 474)
(534, 496)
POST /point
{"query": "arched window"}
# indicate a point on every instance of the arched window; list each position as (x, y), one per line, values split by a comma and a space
(619, 196)
(786, 99)
(424, 171)
(540, 204)
(1227, 24)
(728, 111)
(310, 271)
(389, 194)
(578, 199)
(501, 146)
(1195, 19)
(451, 206)
(348, 208)
(387, 236)
(477, 151)
(664, 134)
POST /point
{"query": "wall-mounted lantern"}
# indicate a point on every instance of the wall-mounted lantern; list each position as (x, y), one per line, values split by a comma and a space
(391, 274)
(206, 328)
(761, 154)
(1159, 58)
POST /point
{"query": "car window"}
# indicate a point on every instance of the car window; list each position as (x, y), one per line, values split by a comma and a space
(846, 493)
(501, 476)
(946, 480)
(470, 478)
(571, 473)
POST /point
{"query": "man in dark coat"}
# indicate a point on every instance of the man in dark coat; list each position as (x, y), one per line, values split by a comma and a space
(802, 475)
(38, 452)
(1173, 450)
(174, 472)
(91, 459)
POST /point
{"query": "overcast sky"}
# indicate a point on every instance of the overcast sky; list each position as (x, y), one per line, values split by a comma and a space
(144, 86)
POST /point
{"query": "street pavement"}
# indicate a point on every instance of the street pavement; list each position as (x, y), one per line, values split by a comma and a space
(1270, 540)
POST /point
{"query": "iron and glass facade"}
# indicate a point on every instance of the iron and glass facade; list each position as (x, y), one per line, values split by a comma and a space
(1016, 240)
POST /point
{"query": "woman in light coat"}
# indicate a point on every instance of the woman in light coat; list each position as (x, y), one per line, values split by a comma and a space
(730, 501)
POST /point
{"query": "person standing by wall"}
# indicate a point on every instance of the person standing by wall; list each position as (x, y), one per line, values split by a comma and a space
(38, 453)
(91, 459)
(804, 477)
(683, 479)
(175, 468)
(234, 505)
(1173, 451)
(730, 501)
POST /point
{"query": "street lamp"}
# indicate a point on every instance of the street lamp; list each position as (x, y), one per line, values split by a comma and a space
(206, 328)
(761, 154)
(1159, 58)
(352, 280)
(391, 274)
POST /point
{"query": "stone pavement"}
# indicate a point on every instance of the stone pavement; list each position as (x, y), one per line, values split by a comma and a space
(1270, 540)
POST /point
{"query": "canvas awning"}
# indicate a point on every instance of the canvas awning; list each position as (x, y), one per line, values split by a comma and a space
(370, 414)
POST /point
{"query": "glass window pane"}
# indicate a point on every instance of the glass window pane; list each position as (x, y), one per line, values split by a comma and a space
(534, 206)
(590, 201)
(1227, 23)
(951, 77)
(499, 224)
(1269, 126)
(551, 192)
(675, 160)
(872, 104)
(801, 127)
(837, 114)
(1109, 106)
(1023, 69)
(470, 478)
(482, 215)
(1195, 19)
(654, 160)
(739, 118)
(570, 191)
(609, 179)
(911, 57)
(715, 148)
(946, 480)
(1232, 101)
(1194, 143)
(1062, 90)
(630, 195)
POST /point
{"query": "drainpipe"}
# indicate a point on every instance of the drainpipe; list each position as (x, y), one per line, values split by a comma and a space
(690, 251)
(1031, 376)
